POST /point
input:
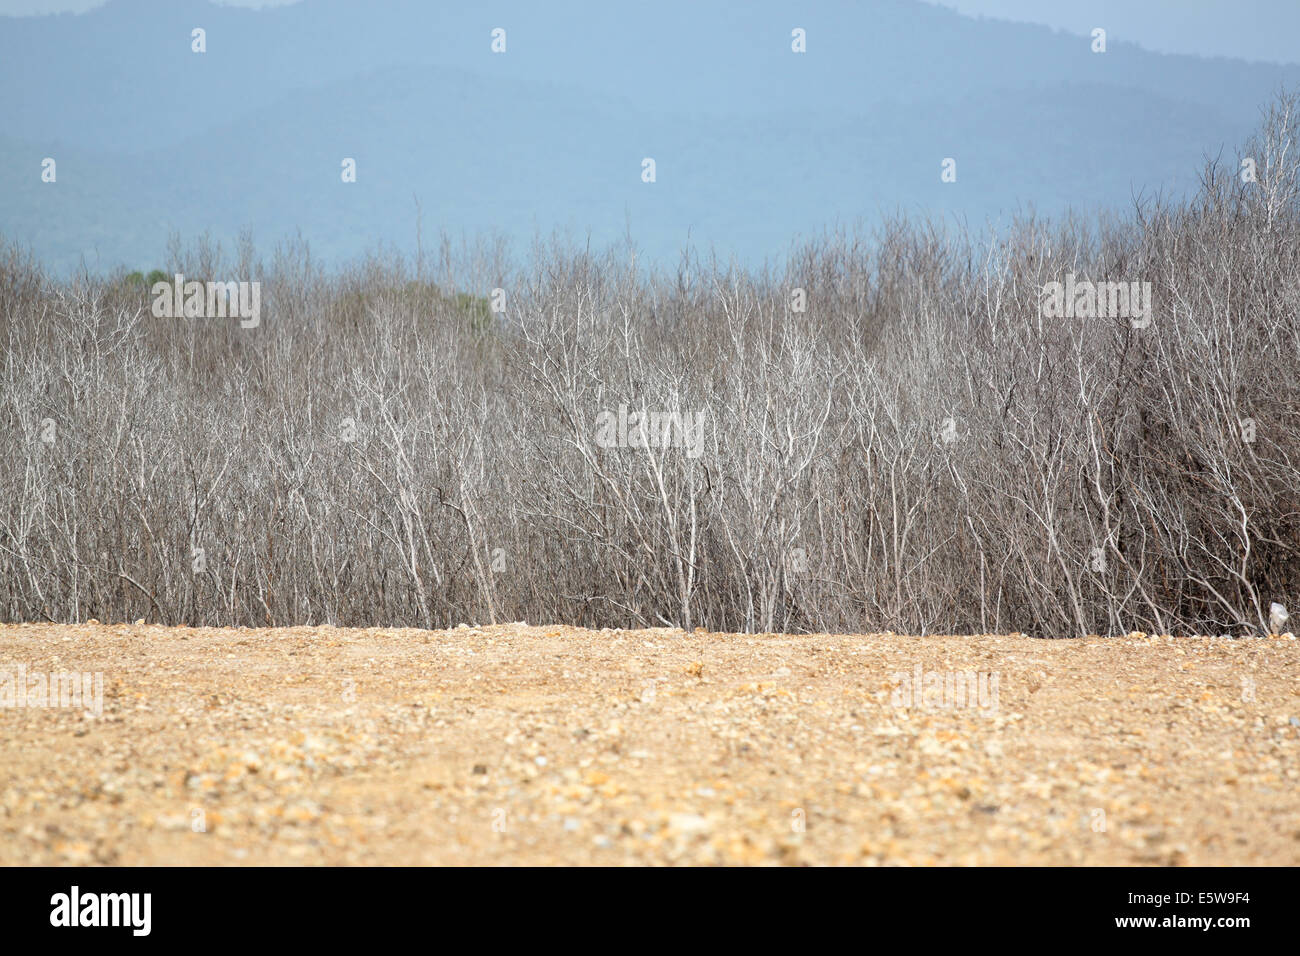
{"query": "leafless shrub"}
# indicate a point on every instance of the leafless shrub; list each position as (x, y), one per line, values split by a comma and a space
(893, 434)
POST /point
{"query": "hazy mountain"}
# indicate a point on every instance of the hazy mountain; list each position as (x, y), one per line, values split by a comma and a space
(754, 144)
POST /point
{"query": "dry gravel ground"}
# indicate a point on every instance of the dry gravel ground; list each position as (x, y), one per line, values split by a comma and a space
(556, 745)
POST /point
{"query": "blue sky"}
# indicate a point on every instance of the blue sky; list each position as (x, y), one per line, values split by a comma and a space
(756, 148)
(1264, 30)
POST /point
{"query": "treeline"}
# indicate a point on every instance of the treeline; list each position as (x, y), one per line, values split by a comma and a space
(893, 433)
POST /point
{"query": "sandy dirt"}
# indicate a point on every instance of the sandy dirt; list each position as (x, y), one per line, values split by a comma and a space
(555, 745)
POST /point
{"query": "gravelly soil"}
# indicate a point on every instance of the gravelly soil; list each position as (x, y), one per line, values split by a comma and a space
(519, 744)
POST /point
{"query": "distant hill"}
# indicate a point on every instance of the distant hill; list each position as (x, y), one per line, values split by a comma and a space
(754, 145)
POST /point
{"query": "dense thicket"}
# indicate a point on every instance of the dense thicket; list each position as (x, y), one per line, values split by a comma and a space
(918, 450)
